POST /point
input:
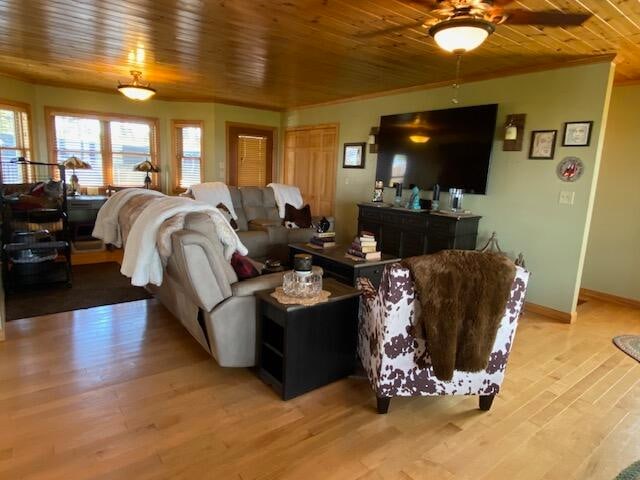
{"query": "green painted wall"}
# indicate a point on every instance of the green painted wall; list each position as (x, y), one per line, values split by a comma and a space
(214, 116)
(231, 113)
(612, 263)
(522, 200)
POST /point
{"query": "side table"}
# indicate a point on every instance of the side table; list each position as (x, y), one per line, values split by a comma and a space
(303, 348)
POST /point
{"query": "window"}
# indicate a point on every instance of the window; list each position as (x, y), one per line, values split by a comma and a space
(15, 142)
(112, 145)
(252, 168)
(187, 153)
(250, 152)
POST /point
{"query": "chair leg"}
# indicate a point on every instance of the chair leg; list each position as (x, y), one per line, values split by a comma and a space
(486, 401)
(383, 404)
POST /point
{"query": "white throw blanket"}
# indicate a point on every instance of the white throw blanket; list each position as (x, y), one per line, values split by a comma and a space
(107, 227)
(286, 194)
(214, 193)
(142, 261)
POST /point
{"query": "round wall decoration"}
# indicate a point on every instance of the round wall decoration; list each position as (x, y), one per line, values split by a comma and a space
(570, 169)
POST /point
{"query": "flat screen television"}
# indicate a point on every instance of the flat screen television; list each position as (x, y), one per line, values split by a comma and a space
(449, 147)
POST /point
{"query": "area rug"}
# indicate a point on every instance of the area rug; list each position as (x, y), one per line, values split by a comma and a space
(629, 344)
(632, 472)
(93, 285)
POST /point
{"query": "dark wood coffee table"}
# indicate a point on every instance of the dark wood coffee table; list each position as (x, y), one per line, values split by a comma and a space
(344, 269)
(301, 348)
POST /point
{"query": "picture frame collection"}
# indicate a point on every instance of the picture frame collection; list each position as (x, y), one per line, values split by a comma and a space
(575, 134)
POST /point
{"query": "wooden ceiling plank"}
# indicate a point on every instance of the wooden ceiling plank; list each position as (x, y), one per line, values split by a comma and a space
(282, 53)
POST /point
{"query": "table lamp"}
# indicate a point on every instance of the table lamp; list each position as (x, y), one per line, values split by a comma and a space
(148, 167)
(75, 163)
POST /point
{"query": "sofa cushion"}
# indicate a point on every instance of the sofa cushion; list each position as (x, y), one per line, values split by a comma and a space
(236, 199)
(202, 223)
(256, 241)
(259, 202)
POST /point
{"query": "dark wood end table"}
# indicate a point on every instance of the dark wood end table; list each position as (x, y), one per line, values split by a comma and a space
(302, 348)
(336, 265)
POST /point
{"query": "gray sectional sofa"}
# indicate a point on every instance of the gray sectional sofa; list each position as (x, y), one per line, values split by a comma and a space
(260, 227)
(202, 290)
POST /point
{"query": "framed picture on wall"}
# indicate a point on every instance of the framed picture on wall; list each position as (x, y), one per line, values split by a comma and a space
(543, 144)
(577, 134)
(354, 154)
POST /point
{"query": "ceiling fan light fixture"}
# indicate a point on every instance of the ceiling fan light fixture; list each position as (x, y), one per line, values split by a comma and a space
(419, 138)
(136, 90)
(461, 35)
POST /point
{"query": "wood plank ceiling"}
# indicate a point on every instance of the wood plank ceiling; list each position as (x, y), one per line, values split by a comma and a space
(283, 53)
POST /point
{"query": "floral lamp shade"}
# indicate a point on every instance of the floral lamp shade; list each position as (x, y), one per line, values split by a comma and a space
(147, 167)
(75, 163)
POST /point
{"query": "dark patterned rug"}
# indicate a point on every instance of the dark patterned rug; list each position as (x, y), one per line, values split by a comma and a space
(93, 285)
(632, 472)
(629, 344)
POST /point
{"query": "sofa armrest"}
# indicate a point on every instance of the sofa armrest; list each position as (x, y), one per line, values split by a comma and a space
(263, 223)
(278, 234)
(248, 287)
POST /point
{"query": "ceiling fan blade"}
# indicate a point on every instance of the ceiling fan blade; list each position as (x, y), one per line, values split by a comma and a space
(394, 29)
(547, 18)
(431, 4)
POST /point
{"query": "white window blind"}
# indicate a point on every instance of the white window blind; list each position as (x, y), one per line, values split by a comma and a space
(130, 145)
(82, 138)
(252, 164)
(188, 154)
(111, 145)
(14, 143)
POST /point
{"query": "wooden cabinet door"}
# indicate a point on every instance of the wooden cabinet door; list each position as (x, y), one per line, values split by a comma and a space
(310, 164)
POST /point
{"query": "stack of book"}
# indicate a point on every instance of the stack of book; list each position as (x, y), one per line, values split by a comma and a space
(365, 247)
(323, 240)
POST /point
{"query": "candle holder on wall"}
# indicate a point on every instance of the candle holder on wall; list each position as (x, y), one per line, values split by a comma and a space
(514, 132)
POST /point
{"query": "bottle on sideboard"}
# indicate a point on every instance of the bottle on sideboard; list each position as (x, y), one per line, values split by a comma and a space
(398, 199)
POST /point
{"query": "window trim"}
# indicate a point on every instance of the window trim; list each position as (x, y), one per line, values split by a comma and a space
(176, 163)
(28, 172)
(105, 137)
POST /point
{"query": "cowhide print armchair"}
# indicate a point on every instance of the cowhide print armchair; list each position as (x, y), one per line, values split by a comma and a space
(398, 364)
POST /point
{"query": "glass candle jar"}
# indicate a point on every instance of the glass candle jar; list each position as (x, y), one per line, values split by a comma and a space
(301, 286)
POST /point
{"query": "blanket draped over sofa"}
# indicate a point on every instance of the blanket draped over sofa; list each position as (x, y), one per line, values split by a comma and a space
(463, 295)
(144, 223)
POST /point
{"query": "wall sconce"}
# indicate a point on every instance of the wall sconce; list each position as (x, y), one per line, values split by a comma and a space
(513, 132)
(373, 139)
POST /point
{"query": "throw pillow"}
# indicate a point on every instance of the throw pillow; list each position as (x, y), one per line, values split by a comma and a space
(243, 267)
(227, 214)
(300, 217)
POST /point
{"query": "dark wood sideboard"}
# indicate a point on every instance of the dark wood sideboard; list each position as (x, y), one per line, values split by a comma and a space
(406, 233)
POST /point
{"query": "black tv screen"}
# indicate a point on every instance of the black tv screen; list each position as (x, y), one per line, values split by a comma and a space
(449, 147)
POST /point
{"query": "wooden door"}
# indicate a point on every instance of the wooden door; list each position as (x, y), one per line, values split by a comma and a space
(310, 163)
(249, 155)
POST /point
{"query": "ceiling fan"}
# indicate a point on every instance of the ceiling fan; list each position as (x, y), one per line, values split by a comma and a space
(460, 26)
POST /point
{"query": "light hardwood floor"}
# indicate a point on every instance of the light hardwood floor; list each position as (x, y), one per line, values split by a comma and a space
(123, 392)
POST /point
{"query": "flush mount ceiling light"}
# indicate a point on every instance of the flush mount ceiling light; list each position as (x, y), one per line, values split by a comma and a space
(461, 35)
(136, 90)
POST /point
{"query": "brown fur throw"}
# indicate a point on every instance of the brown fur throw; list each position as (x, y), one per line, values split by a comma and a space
(463, 295)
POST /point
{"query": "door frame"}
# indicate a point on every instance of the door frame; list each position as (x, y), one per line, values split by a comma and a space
(271, 162)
